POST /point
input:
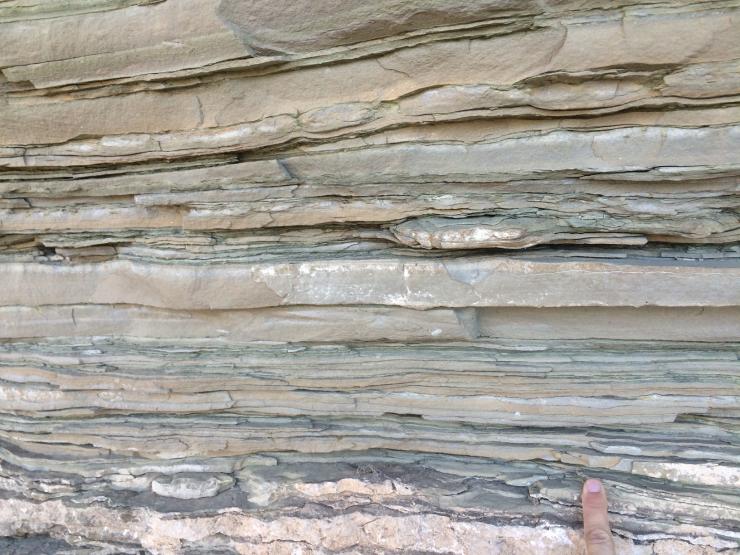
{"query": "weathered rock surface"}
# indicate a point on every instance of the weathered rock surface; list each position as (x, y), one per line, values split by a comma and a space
(368, 277)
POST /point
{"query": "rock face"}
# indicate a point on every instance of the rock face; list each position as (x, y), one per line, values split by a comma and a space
(368, 277)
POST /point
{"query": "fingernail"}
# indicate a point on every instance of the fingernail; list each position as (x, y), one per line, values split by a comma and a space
(593, 486)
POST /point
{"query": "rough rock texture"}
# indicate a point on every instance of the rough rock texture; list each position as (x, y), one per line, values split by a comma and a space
(368, 277)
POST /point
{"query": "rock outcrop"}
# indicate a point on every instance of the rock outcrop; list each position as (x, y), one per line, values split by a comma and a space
(368, 277)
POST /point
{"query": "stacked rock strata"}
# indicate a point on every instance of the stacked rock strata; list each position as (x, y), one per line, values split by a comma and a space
(368, 277)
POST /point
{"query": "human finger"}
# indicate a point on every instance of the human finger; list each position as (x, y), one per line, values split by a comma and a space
(596, 529)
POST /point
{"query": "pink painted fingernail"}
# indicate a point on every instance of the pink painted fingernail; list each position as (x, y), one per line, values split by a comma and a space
(593, 486)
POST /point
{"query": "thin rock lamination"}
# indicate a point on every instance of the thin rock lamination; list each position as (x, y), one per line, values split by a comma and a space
(299, 277)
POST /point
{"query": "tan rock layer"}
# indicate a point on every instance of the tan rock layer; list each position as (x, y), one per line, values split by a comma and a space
(336, 323)
(417, 283)
(562, 46)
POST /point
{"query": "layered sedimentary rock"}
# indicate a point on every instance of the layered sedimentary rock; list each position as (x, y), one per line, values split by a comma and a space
(351, 277)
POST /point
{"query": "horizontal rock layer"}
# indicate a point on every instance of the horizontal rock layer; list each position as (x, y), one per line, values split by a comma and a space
(349, 277)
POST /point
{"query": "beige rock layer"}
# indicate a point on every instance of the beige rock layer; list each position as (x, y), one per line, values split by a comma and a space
(475, 281)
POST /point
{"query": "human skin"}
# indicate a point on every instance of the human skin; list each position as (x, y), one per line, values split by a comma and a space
(596, 529)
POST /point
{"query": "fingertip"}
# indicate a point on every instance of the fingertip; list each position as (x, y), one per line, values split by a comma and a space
(596, 518)
(593, 494)
(592, 485)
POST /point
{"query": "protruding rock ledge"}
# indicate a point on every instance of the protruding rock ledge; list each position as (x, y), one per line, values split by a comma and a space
(474, 281)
